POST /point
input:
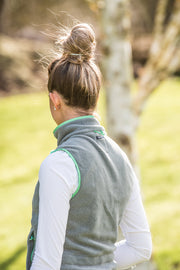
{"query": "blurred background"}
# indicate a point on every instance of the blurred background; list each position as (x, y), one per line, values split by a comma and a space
(138, 50)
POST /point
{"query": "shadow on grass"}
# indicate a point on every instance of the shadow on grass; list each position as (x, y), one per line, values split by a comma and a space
(12, 258)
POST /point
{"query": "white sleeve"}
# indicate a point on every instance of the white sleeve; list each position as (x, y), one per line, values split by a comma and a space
(137, 245)
(58, 181)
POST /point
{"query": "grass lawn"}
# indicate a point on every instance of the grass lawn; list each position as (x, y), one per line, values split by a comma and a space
(26, 139)
(159, 148)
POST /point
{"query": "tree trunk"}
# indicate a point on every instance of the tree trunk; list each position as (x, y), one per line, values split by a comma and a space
(117, 71)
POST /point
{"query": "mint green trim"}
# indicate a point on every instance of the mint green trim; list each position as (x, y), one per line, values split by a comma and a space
(32, 253)
(101, 132)
(76, 165)
(73, 119)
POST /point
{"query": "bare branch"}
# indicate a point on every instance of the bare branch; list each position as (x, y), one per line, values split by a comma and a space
(160, 17)
(163, 61)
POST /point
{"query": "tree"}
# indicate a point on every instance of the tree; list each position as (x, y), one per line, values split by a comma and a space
(123, 109)
(164, 58)
(117, 71)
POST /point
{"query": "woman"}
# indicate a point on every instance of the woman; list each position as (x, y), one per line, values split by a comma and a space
(86, 187)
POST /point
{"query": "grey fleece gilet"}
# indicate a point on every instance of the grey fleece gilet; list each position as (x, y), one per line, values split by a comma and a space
(96, 208)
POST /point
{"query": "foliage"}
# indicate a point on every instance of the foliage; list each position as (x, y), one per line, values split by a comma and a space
(26, 139)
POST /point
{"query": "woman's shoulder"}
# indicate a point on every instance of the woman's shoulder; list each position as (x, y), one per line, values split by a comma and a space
(58, 165)
(55, 158)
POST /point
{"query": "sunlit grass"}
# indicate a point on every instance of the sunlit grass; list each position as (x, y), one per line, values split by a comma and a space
(26, 139)
(159, 146)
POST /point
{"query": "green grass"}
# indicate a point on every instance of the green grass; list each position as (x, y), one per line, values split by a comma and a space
(26, 139)
(159, 147)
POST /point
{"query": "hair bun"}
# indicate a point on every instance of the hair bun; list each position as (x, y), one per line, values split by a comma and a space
(79, 45)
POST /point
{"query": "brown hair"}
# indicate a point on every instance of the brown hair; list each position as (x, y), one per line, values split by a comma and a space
(75, 75)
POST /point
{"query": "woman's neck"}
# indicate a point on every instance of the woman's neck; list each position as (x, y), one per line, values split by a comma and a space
(68, 113)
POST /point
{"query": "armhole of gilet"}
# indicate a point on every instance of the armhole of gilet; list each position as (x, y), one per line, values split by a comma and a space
(76, 165)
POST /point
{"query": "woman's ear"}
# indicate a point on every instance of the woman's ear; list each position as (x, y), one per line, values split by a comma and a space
(56, 99)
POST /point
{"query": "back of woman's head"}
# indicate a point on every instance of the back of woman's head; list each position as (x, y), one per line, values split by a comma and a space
(74, 75)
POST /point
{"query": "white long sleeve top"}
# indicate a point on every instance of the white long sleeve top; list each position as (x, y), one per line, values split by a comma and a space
(58, 181)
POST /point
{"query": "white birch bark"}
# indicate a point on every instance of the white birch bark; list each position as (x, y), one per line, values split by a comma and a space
(117, 70)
